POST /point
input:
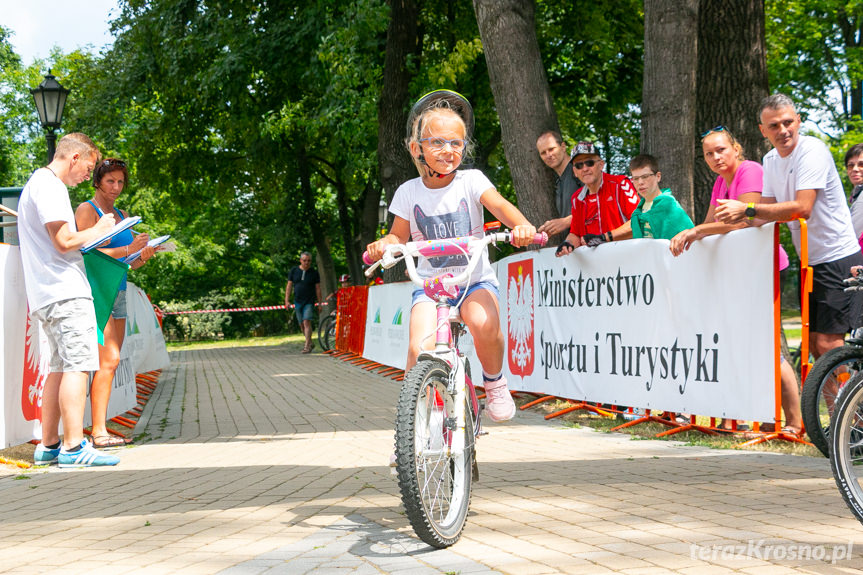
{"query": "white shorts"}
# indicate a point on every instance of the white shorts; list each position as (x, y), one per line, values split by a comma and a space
(71, 329)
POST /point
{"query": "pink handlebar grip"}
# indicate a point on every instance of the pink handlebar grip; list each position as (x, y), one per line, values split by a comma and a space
(366, 259)
(540, 238)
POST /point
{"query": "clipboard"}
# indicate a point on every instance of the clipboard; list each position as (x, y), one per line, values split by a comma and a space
(119, 227)
(152, 243)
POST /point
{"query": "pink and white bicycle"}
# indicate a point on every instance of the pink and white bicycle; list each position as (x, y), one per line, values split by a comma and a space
(438, 413)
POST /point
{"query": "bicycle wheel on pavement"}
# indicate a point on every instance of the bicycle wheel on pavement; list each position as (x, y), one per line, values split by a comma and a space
(435, 482)
(829, 374)
(327, 333)
(846, 441)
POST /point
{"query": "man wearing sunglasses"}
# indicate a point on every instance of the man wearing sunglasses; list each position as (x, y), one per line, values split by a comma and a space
(603, 204)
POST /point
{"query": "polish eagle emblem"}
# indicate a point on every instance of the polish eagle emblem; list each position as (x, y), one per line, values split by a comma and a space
(520, 318)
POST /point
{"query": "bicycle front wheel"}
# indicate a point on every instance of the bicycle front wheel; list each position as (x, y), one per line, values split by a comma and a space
(829, 374)
(435, 482)
(846, 455)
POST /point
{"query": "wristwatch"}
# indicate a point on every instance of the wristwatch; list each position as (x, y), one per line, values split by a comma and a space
(750, 211)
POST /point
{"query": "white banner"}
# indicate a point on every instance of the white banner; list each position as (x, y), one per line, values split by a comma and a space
(387, 319)
(387, 327)
(19, 405)
(24, 368)
(628, 324)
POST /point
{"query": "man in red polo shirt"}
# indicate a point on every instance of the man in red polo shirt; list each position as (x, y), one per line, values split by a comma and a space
(604, 203)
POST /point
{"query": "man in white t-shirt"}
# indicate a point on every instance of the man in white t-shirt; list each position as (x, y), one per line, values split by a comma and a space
(801, 181)
(60, 299)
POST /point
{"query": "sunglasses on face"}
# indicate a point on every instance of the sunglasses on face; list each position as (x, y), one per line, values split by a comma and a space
(588, 163)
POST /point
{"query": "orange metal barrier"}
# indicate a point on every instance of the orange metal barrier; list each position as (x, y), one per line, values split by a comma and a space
(351, 322)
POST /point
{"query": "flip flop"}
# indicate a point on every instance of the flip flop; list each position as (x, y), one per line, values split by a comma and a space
(791, 431)
(107, 441)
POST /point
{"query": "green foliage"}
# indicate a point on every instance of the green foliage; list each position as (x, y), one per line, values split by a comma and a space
(593, 54)
(814, 55)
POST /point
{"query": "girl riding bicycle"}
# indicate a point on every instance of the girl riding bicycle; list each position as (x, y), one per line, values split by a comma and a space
(444, 203)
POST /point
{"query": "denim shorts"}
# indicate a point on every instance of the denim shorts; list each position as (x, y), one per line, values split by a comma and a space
(70, 326)
(119, 309)
(419, 295)
(304, 311)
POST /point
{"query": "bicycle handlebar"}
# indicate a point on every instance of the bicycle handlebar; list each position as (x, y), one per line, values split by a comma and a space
(454, 246)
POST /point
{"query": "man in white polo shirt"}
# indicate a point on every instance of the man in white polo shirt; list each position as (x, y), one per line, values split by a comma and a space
(60, 298)
(801, 181)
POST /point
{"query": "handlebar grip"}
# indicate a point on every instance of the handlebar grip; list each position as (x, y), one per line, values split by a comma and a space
(540, 238)
(366, 259)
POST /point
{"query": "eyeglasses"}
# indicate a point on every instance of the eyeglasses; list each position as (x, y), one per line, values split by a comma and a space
(852, 164)
(716, 129)
(117, 163)
(588, 163)
(637, 179)
(457, 145)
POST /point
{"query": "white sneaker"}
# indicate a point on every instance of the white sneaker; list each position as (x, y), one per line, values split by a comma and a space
(498, 401)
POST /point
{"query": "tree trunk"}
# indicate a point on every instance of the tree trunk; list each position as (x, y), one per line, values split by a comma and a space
(728, 95)
(522, 98)
(394, 162)
(322, 246)
(668, 97)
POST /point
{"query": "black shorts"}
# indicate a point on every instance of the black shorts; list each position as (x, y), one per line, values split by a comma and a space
(831, 308)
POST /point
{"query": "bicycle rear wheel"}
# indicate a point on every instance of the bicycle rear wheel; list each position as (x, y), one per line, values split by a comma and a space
(435, 483)
(829, 374)
(846, 455)
(327, 333)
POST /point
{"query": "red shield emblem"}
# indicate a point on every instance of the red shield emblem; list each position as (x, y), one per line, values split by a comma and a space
(519, 297)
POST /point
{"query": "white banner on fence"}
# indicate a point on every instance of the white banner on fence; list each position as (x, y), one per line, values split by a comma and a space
(628, 324)
(387, 323)
(387, 319)
(24, 368)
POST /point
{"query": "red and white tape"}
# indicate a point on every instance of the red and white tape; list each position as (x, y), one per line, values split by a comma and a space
(263, 308)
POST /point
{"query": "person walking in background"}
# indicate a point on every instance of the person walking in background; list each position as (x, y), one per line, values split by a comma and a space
(60, 299)
(552, 150)
(109, 180)
(305, 283)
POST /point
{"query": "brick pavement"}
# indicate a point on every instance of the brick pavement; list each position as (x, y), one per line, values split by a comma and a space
(256, 460)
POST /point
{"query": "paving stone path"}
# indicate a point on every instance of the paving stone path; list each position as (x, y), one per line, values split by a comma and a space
(257, 460)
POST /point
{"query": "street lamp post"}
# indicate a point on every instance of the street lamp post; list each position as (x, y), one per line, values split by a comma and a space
(50, 99)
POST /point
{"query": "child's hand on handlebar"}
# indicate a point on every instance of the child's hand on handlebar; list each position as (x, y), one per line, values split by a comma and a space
(375, 250)
(523, 235)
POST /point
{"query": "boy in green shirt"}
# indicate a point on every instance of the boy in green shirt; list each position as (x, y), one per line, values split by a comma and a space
(658, 214)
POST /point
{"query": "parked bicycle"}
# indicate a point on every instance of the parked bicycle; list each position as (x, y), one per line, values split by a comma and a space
(831, 372)
(846, 433)
(438, 417)
(327, 330)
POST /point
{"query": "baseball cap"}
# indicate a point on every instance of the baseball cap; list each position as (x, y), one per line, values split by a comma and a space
(583, 149)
